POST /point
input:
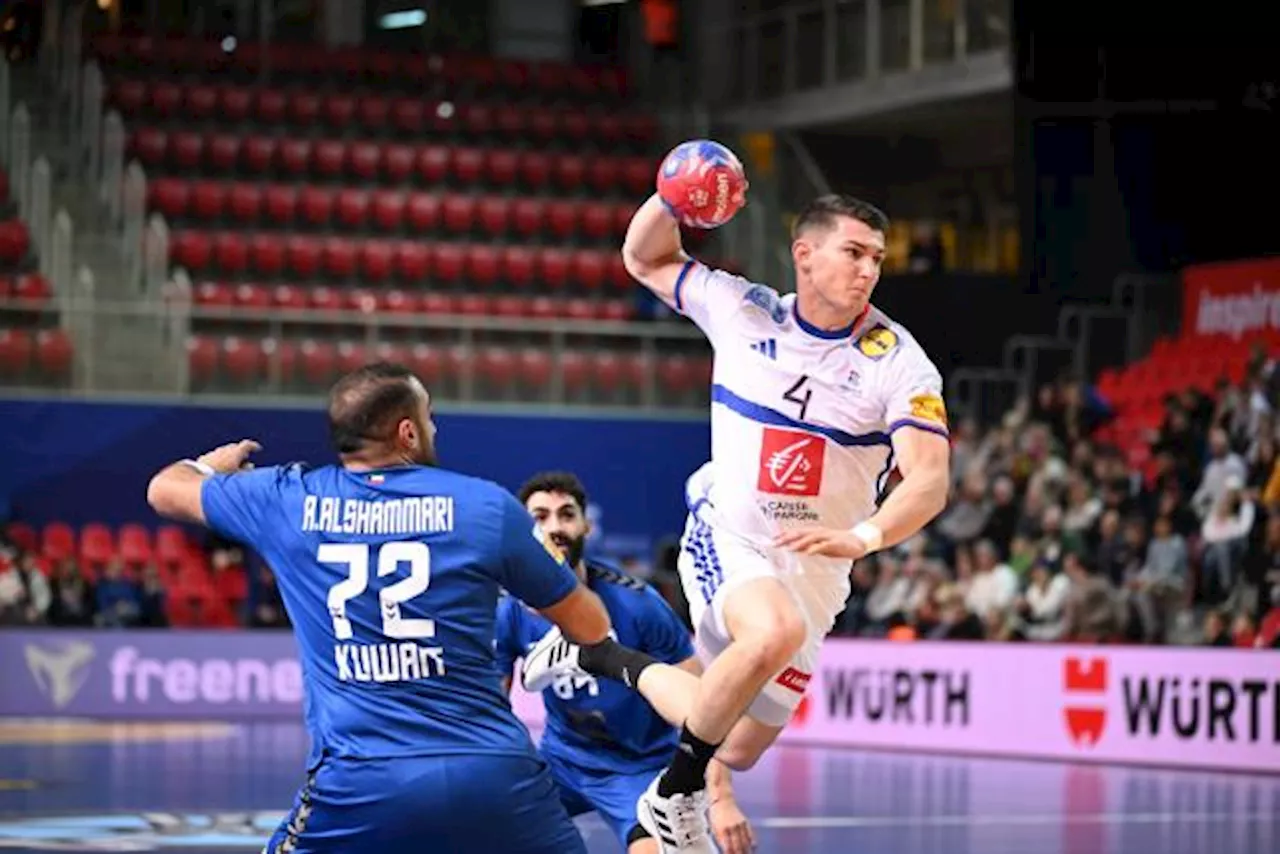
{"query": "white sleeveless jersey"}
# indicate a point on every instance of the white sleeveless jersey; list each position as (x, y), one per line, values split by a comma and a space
(801, 418)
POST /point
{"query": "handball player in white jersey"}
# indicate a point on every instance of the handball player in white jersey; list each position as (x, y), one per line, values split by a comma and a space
(816, 397)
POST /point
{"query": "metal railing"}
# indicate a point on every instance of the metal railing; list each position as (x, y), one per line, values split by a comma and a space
(807, 46)
(660, 366)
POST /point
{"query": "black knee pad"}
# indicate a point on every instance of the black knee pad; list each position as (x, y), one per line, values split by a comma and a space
(637, 833)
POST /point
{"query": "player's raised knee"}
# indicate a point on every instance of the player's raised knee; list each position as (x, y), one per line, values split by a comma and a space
(764, 619)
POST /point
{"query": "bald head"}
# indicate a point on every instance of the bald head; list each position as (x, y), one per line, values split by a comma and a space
(381, 410)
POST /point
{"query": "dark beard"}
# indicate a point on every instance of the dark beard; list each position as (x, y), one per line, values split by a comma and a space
(573, 549)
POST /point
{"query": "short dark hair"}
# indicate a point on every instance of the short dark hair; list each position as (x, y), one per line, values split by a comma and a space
(563, 482)
(823, 211)
(366, 404)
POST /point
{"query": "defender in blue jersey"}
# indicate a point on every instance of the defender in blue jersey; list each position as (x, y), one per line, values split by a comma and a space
(603, 742)
(390, 570)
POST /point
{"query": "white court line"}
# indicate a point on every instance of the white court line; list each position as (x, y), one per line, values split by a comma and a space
(1033, 820)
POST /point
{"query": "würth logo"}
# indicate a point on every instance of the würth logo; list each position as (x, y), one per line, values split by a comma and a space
(1085, 681)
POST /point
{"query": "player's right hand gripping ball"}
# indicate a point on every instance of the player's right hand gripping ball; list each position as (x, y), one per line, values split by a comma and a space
(702, 183)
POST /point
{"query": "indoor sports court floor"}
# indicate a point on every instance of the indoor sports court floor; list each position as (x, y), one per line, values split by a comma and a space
(80, 786)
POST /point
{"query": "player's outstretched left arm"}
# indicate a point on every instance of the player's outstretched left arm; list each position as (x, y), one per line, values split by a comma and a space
(924, 458)
(175, 491)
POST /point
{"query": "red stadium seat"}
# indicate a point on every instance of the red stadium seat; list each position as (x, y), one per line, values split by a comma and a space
(58, 541)
(214, 294)
(365, 160)
(494, 214)
(413, 261)
(350, 356)
(518, 265)
(270, 106)
(171, 545)
(267, 254)
(398, 162)
(329, 157)
(325, 298)
(151, 146)
(587, 269)
(15, 352)
(408, 115)
(288, 298)
(53, 352)
(315, 205)
(527, 216)
(569, 171)
(191, 249)
(458, 213)
(373, 113)
(339, 110)
(352, 208)
(260, 153)
(252, 296)
(208, 199)
(387, 209)
(377, 259)
(422, 211)
(502, 167)
(449, 262)
(553, 267)
(535, 169)
(468, 165)
(242, 358)
(202, 358)
(339, 257)
(603, 174)
(295, 155)
(186, 149)
(244, 203)
(166, 99)
(280, 203)
(303, 255)
(224, 152)
(97, 544)
(562, 218)
(318, 361)
(32, 287)
(169, 196)
(483, 264)
(597, 220)
(304, 108)
(433, 163)
(235, 103)
(230, 253)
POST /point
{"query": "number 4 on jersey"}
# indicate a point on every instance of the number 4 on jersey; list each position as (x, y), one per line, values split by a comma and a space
(799, 395)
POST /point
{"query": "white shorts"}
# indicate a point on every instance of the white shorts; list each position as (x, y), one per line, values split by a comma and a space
(712, 563)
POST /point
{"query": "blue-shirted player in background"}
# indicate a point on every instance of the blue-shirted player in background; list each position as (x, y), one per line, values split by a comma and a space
(391, 570)
(604, 743)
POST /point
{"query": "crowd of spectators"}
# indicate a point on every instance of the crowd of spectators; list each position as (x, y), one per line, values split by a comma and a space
(1050, 535)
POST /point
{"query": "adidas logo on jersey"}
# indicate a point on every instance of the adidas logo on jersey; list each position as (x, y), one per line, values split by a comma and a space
(768, 347)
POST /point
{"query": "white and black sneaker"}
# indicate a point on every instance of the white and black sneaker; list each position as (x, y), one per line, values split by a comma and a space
(679, 822)
(550, 657)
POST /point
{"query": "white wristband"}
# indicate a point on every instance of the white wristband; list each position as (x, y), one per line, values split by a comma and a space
(870, 535)
(204, 468)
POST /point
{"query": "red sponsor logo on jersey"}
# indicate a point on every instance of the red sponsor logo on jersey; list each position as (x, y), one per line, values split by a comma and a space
(1085, 723)
(790, 462)
(794, 680)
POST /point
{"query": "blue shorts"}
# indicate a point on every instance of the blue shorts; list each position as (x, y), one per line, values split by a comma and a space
(442, 803)
(611, 795)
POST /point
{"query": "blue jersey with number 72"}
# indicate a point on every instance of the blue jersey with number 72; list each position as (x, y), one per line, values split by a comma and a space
(391, 579)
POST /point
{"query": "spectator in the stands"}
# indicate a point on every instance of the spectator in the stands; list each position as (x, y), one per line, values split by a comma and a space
(118, 601)
(24, 592)
(72, 596)
(1224, 464)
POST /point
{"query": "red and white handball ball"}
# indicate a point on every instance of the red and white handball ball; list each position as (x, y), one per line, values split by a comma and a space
(703, 183)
